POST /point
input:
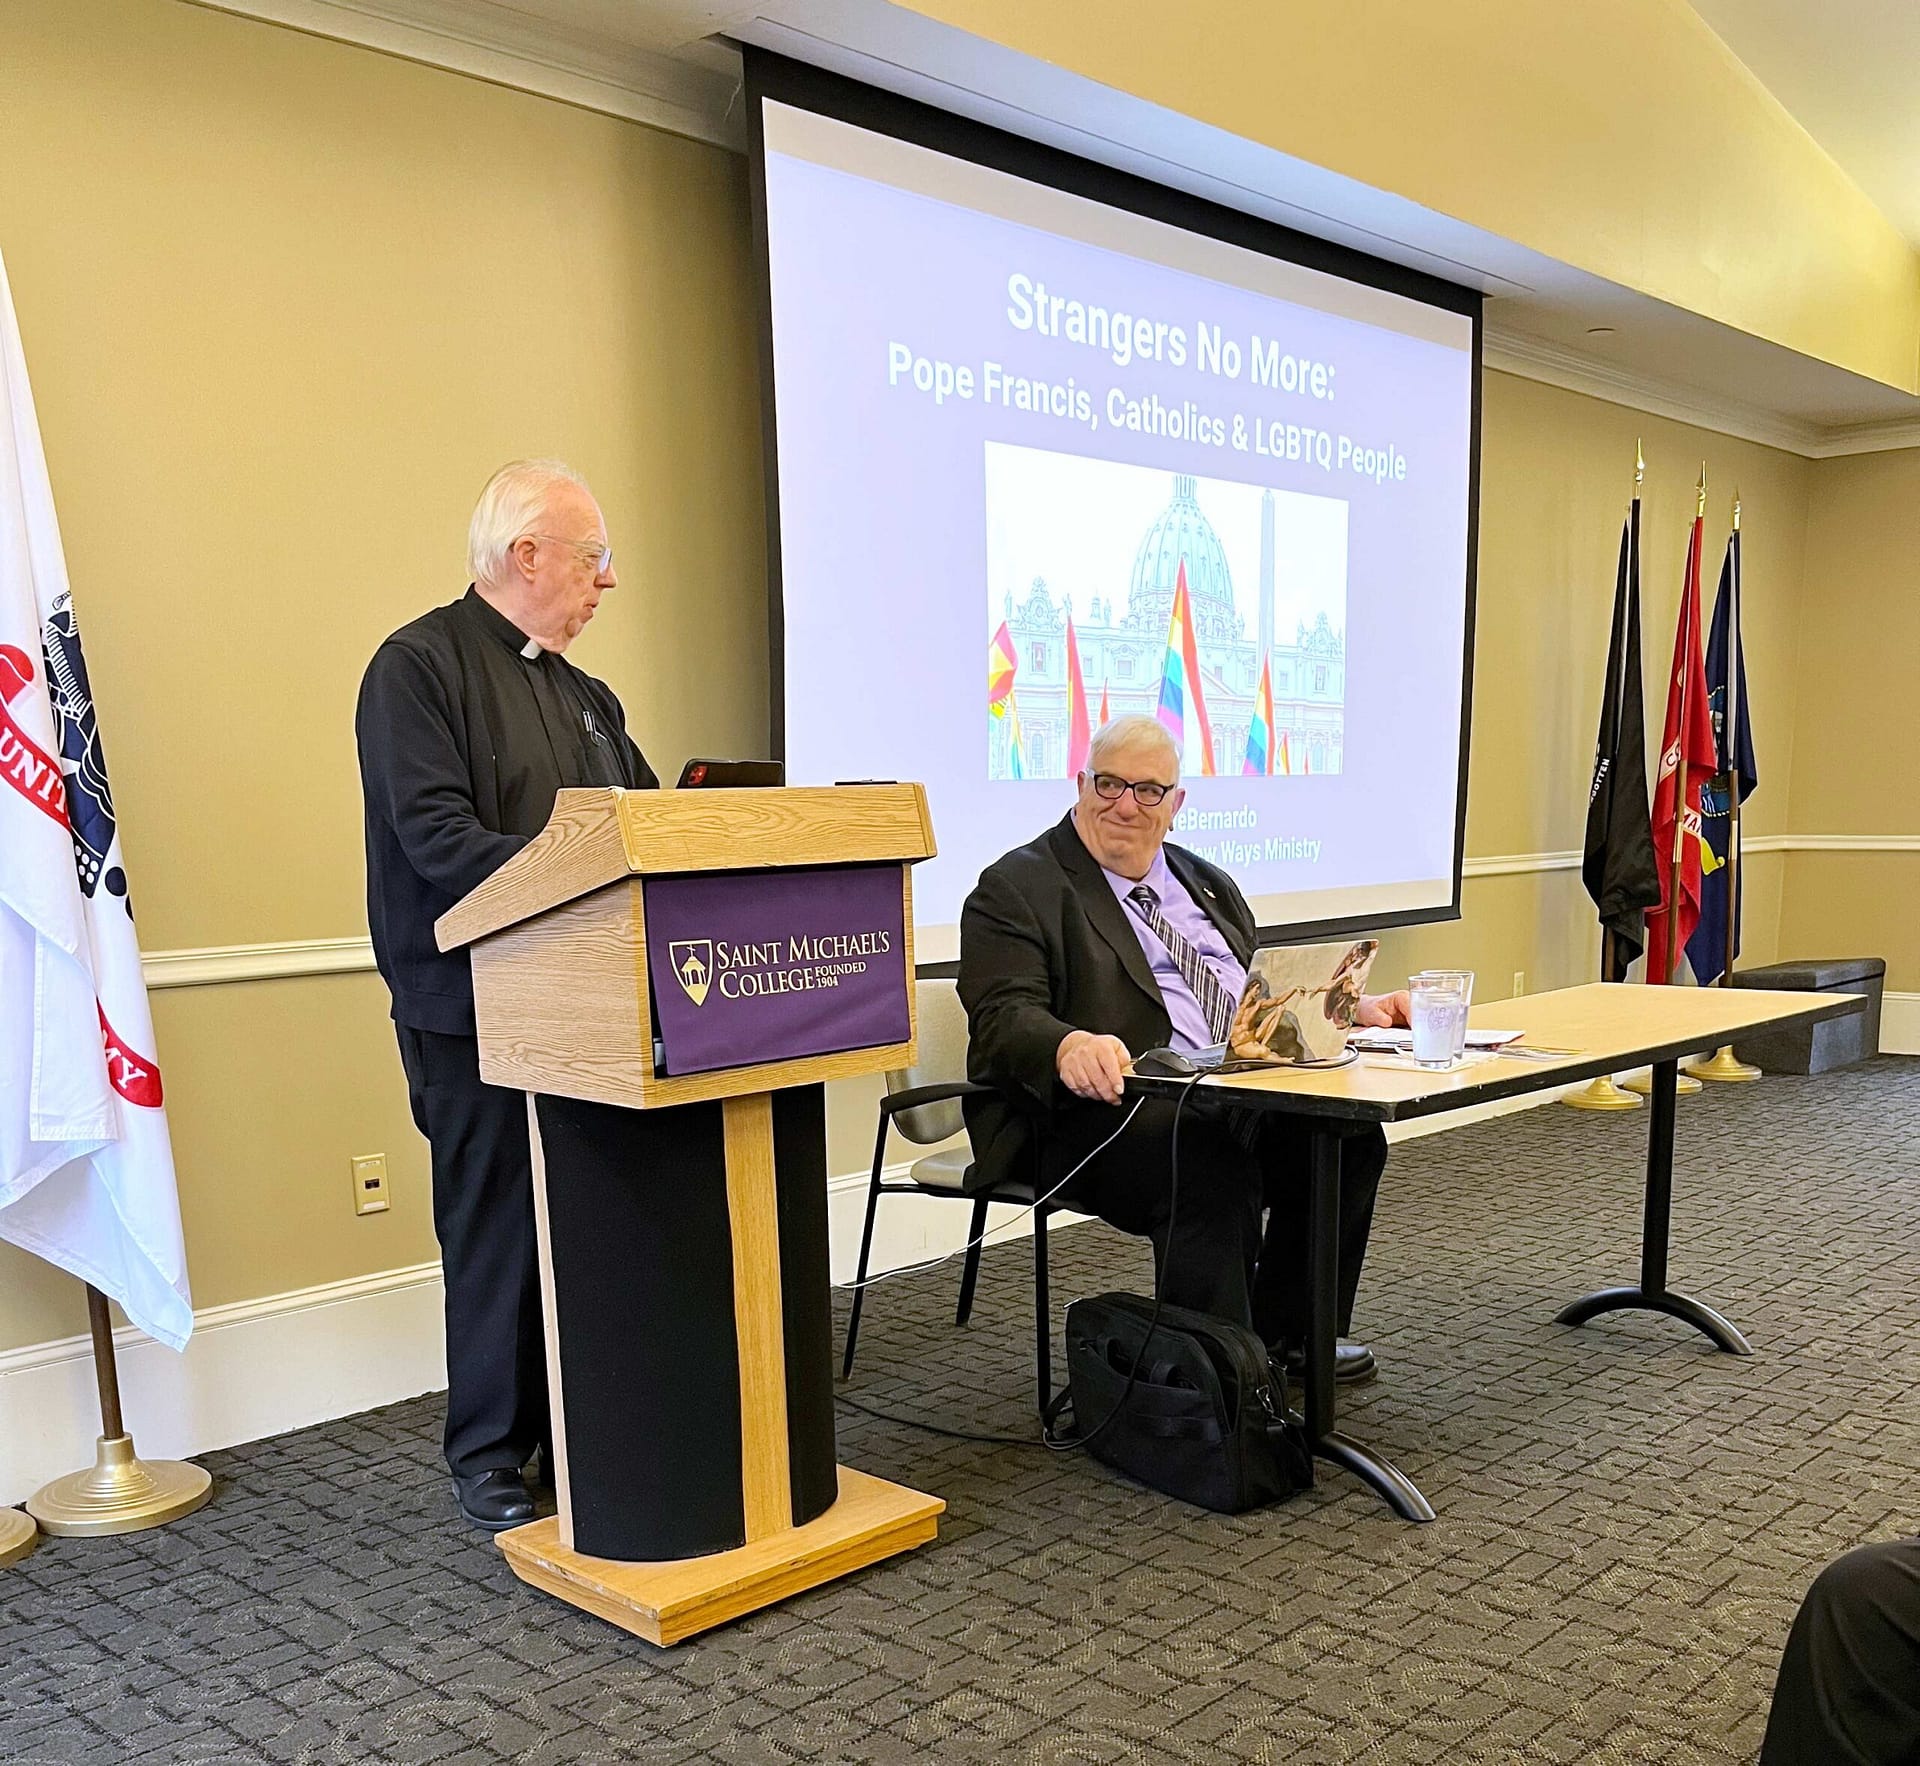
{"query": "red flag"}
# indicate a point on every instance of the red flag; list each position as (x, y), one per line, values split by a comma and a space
(1105, 714)
(1079, 735)
(1689, 731)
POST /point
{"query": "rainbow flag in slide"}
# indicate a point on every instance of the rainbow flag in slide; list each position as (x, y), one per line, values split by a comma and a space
(1079, 732)
(1001, 662)
(1285, 756)
(1260, 729)
(1016, 760)
(1105, 714)
(1183, 705)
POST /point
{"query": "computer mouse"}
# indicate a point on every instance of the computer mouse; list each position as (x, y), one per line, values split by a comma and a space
(1163, 1064)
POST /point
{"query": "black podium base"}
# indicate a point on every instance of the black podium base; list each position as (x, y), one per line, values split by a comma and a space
(644, 1352)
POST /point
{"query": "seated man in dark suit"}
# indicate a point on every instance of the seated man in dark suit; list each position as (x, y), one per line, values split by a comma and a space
(1094, 943)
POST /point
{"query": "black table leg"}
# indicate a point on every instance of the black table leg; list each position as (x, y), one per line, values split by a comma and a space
(1652, 1294)
(1323, 1227)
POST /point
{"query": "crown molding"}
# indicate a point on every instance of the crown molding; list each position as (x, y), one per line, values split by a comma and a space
(1866, 438)
(506, 47)
(1551, 364)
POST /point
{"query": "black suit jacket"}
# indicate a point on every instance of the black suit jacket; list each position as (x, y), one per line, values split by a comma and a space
(1045, 949)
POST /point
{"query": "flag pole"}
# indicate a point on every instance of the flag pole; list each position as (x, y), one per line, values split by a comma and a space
(1680, 777)
(122, 1493)
(1604, 1093)
(1725, 1065)
(1685, 1085)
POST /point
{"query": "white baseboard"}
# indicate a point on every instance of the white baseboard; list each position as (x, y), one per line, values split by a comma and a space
(250, 1370)
(1900, 1024)
(282, 1362)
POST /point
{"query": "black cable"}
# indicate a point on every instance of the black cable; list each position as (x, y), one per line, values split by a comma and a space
(1046, 1439)
(987, 1232)
(1060, 1445)
(914, 1422)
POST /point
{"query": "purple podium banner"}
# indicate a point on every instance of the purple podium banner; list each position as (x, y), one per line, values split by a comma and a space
(753, 966)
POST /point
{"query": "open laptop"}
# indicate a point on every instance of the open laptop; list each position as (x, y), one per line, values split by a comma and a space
(717, 775)
(1297, 1008)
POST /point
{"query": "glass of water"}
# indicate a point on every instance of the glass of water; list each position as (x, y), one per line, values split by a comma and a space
(1439, 1019)
(1462, 979)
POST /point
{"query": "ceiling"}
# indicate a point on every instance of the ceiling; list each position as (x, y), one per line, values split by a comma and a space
(1848, 71)
(672, 63)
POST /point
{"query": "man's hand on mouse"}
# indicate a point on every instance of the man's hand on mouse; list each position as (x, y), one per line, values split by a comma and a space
(1385, 1011)
(1093, 1066)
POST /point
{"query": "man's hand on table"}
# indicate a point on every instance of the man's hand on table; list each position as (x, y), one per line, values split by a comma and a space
(1093, 1066)
(1385, 1011)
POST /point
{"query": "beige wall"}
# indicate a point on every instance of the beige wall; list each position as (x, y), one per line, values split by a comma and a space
(286, 302)
(1854, 763)
(1556, 473)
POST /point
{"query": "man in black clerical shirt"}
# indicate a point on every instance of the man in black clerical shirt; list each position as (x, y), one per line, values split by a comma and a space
(470, 719)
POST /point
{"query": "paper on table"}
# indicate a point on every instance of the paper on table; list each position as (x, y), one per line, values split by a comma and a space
(1407, 1064)
(1391, 1041)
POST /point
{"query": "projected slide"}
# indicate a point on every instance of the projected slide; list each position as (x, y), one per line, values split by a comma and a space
(1043, 462)
(1096, 573)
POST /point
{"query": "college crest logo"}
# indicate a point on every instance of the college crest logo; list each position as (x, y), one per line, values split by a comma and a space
(692, 960)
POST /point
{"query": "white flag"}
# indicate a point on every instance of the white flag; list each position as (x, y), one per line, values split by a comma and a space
(86, 1168)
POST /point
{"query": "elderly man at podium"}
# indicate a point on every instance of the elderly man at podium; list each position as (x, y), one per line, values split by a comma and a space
(1058, 1003)
(470, 720)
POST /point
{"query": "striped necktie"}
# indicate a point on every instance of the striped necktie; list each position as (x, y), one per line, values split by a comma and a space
(1216, 1004)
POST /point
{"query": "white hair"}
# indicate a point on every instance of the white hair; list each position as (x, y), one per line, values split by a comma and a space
(1124, 732)
(512, 506)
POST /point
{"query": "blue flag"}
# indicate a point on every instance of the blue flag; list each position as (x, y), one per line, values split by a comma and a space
(1707, 949)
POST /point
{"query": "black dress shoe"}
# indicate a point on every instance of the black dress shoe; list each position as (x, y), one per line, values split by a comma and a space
(1352, 1363)
(494, 1500)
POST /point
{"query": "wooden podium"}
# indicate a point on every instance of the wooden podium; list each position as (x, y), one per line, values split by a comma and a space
(671, 977)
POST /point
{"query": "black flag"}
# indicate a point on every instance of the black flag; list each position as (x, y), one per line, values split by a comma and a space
(1618, 865)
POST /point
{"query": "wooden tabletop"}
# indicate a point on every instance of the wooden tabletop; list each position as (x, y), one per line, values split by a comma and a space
(1611, 1026)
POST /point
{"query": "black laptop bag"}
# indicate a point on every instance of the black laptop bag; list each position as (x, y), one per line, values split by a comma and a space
(1205, 1417)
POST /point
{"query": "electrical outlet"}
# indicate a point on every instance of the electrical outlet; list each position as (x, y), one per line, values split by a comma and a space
(370, 1183)
(1519, 982)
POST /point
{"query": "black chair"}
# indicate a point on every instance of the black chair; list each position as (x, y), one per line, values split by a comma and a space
(923, 1105)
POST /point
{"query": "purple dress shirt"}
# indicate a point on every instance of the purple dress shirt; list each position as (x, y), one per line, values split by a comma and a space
(1189, 919)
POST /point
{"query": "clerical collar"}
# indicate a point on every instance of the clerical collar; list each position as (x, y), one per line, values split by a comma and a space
(491, 619)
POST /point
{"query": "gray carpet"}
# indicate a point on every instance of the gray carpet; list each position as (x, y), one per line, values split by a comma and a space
(1627, 1519)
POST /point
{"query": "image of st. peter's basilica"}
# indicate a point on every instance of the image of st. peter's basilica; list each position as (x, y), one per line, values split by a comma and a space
(1102, 543)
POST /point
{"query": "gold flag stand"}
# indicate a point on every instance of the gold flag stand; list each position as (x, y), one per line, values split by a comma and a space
(1684, 1084)
(1725, 1066)
(17, 1536)
(1603, 1093)
(121, 1493)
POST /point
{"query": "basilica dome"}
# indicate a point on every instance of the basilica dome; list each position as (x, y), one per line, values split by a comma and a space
(1180, 533)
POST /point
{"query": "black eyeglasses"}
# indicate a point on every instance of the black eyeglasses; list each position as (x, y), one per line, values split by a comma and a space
(1146, 792)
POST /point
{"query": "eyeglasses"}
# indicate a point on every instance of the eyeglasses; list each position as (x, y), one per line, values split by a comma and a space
(1146, 792)
(587, 551)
